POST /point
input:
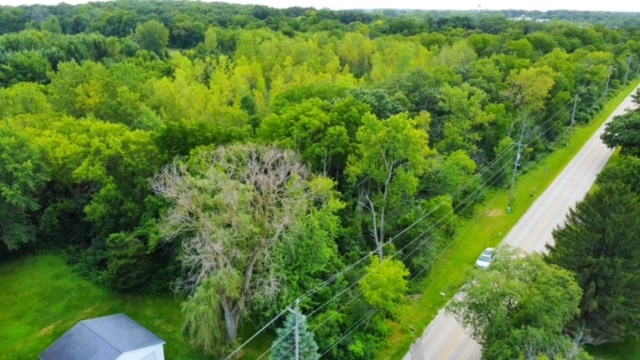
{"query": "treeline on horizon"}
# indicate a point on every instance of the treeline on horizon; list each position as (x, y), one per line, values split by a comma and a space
(121, 19)
(393, 128)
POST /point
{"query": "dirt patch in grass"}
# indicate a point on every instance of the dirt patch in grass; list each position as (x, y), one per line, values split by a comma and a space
(86, 313)
(495, 212)
(48, 330)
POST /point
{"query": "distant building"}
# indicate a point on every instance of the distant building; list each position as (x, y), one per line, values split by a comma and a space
(114, 337)
(542, 20)
(521, 18)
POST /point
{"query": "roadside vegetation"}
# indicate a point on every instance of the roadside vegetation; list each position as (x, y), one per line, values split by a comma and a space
(226, 163)
(486, 229)
(597, 248)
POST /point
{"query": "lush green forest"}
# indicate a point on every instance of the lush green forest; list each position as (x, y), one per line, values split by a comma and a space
(243, 157)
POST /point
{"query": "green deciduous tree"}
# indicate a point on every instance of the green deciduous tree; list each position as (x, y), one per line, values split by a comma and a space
(211, 39)
(529, 88)
(458, 55)
(152, 36)
(64, 92)
(27, 65)
(355, 50)
(599, 242)
(106, 165)
(385, 284)
(624, 131)
(450, 173)
(52, 25)
(22, 175)
(519, 308)
(309, 253)
(542, 42)
(322, 132)
(390, 157)
(230, 208)
(382, 104)
(23, 98)
(465, 121)
(520, 48)
(186, 33)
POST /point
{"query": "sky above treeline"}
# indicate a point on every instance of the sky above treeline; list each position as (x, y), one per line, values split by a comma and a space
(543, 5)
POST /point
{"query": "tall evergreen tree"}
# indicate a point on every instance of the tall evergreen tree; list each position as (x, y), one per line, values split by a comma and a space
(285, 344)
(599, 242)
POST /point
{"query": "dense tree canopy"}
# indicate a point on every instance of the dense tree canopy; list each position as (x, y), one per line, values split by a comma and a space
(152, 36)
(519, 308)
(229, 209)
(22, 175)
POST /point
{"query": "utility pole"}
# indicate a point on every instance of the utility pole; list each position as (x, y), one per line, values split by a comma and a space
(627, 72)
(573, 118)
(297, 314)
(515, 166)
(606, 89)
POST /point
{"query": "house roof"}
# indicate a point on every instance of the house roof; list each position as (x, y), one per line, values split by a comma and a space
(103, 338)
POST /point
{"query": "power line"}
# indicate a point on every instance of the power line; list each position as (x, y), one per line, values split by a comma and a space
(360, 293)
(349, 287)
(412, 241)
(368, 273)
(415, 249)
(464, 186)
(257, 333)
(415, 276)
(352, 329)
(471, 223)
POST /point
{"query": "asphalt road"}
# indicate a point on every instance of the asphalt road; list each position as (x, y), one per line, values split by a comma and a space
(445, 338)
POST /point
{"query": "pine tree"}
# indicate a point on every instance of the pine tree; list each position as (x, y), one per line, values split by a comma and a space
(285, 344)
(599, 243)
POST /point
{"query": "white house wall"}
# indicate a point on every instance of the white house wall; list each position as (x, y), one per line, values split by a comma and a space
(141, 354)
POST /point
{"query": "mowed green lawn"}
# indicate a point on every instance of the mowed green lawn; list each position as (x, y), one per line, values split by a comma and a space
(41, 298)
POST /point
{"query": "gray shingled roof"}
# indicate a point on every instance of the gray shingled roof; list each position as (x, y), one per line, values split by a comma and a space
(103, 338)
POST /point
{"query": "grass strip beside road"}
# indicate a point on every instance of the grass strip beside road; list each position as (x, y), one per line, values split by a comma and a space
(487, 229)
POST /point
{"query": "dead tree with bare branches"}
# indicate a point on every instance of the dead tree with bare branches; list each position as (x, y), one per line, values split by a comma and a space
(230, 207)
